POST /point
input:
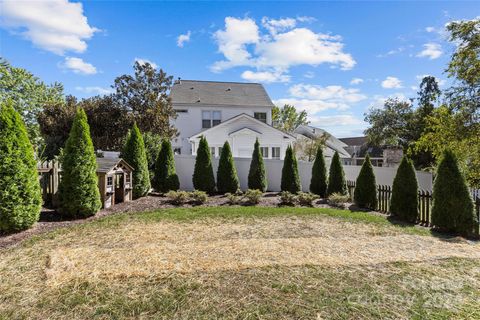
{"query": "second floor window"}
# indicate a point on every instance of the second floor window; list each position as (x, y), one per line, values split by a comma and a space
(275, 152)
(262, 116)
(211, 119)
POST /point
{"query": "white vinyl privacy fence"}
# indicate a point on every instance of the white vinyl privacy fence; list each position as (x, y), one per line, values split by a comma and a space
(384, 176)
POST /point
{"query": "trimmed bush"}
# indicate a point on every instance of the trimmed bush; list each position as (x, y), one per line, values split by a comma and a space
(20, 194)
(165, 178)
(318, 183)
(253, 196)
(199, 197)
(257, 176)
(234, 198)
(306, 198)
(336, 177)
(135, 155)
(227, 179)
(178, 197)
(338, 200)
(287, 198)
(203, 178)
(452, 209)
(365, 195)
(290, 178)
(78, 192)
(404, 202)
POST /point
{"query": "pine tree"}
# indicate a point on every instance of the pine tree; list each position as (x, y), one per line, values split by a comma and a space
(290, 178)
(203, 178)
(452, 204)
(20, 194)
(365, 195)
(227, 179)
(78, 191)
(135, 155)
(257, 176)
(318, 183)
(165, 178)
(336, 177)
(404, 202)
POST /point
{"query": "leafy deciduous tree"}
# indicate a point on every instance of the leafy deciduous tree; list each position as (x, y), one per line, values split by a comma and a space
(287, 118)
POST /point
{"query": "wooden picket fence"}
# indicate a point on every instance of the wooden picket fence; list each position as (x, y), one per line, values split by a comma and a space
(425, 201)
(48, 174)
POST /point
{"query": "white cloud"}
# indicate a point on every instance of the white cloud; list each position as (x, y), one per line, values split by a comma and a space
(392, 83)
(183, 38)
(57, 26)
(77, 65)
(142, 61)
(431, 50)
(430, 29)
(336, 120)
(309, 74)
(265, 76)
(95, 90)
(283, 46)
(356, 81)
(392, 52)
(378, 101)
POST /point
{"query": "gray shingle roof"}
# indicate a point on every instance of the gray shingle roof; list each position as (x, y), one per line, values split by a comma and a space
(104, 165)
(220, 93)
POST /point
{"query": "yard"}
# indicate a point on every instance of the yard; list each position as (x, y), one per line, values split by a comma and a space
(240, 262)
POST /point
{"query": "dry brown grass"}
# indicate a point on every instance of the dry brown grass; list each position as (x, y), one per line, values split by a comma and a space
(277, 267)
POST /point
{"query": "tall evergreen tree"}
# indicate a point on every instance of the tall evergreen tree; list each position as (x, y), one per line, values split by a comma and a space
(227, 179)
(20, 195)
(135, 155)
(404, 202)
(452, 204)
(78, 191)
(165, 178)
(290, 178)
(365, 195)
(318, 183)
(257, 176)
(336, 177)
(203, 178)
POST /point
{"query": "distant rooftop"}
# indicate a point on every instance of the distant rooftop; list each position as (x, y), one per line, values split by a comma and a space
(354, 141)
(220, 93)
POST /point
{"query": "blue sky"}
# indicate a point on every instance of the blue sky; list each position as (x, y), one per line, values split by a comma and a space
(333, 59)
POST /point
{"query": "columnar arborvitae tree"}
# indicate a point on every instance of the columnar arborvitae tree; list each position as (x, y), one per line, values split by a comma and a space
(336, 177)
(404, 202)
(20, 194)
(78, 189)
(227, 179)
(290, 178)
(257, 176)
(135, 155)
(452, 204)
(203, 178)
(165, 177)
(318, 183)
(365, 195)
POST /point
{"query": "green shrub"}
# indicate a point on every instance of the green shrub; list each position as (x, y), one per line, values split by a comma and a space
(404, 202)
(365, 194)
(134, 154)
(199, 197)
(306, 198)
(20, 194)
(253, 196)
(165, 178)
(227, 179)
(452, 209)
(153, 145)
(290, 178)
(338, 200)
(178, 197)
(78, 192)
(318, 183)
(336, 177)
(234, 198)
(257, 177)
(203, 178)
(287, 198)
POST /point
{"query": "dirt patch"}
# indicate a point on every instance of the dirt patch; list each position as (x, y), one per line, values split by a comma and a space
(161, 248)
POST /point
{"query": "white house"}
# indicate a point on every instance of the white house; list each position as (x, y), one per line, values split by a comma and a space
(226, 111)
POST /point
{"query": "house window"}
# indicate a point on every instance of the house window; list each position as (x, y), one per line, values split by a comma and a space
(177, 151)
(212, 150)
(220, 151)
(262, 116)
(275, 152)
(264, 151)
(211, 119)
(181, 110)
(109, 181)
(127, 177)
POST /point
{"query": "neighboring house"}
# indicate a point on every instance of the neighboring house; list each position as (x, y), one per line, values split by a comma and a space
(380, 156)
(306, 134)
(226, 111)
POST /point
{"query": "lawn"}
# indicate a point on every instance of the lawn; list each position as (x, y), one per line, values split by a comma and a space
(240, 263)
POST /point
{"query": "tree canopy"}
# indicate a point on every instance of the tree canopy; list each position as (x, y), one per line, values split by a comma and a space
(288, 118)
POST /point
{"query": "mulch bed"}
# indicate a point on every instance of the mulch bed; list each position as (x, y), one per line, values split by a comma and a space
(51, 220)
